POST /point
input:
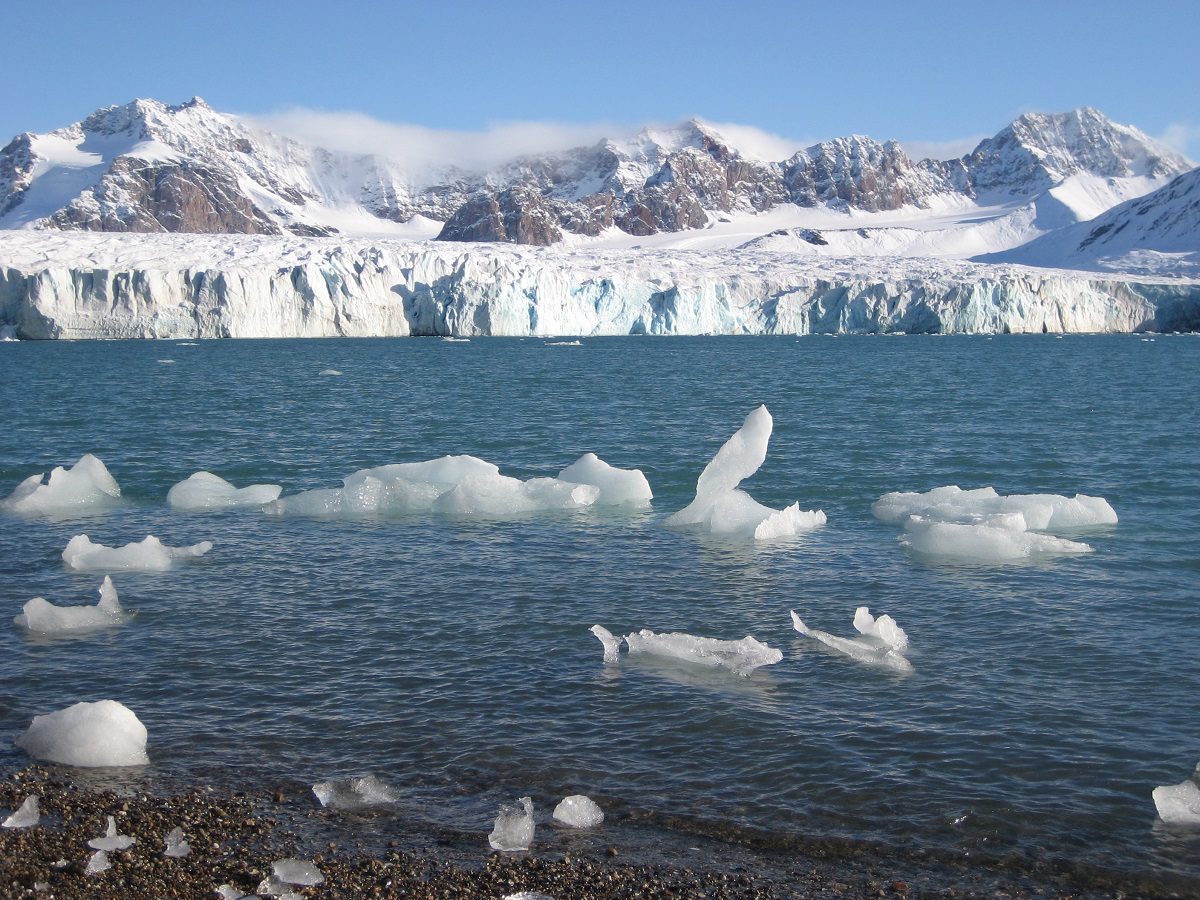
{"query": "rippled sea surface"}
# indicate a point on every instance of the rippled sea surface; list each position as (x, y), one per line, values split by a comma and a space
(452, 659)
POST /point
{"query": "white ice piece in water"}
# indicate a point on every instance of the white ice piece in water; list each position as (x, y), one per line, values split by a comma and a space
(27, 816)
(355, 793)
(1178, 804)
(1040, 512)
(871, 649)
(85, 486)
(104, 733)
(98, 863)
(578, 811)
(176, 844)
(300, 872)
(720, 508)
(627, 487)
(884, 628)
(987, 541)
(42, 616)
(148, 555)
(514, 827)
(111, 840)
(205, 491)
(741, 657)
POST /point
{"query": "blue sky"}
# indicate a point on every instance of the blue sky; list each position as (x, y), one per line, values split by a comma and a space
(932, 74)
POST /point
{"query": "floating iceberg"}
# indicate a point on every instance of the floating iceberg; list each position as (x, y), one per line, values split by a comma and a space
(1040, 512)
(513, 829)
(149, 555)
(42, 616)
(355, 793)
(205, 491)
(578, 811)
(465, 486)
(720, 508)
(111, 840)
(176, 845)
(882, 645)
(1178, 804)
(104, 733)
(86, 486)
(740, 657)
(995, 539)
(27, 816)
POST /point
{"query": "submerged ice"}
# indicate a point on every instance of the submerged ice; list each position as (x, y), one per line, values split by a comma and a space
(42, 616)
(84, 487)
(355, 793)
(204, 491)
(720, 508)
(89, 735)
(148, 555)
(883, 642)
(741, 657)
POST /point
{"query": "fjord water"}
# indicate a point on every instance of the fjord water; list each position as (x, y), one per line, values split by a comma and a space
(451, 658)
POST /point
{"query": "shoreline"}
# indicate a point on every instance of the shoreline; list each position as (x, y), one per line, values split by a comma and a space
(235, 836)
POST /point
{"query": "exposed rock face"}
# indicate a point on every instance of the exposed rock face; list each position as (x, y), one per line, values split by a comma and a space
(518, 215)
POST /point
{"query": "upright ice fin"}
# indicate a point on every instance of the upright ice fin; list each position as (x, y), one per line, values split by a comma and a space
(514, 827)
(612, 644)
(871, 651)
(111, 840)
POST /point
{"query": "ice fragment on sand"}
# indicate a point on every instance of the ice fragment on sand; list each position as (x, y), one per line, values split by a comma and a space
(741, 657)
(97, 864)
(612, 644)
(578, 811)
(1178, 804)
(617, 486)
(149, 555)
(871, 649)
(177, 846)
(86, 486)
(229, 892)
(104, 733)
(720, 508)
(355, 793)
(206, 491)
(111, 840)
(300, 872)
(514, 827)
(273, 887)
(25, 817)
(43, 616)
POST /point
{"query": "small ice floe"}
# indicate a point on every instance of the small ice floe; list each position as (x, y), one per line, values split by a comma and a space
(578, 811)
(89, 735)
(564, 343)
(617, 486)
(110, 840)
(42, 616)
(176, 844)
(167, 361)
(27, 816)
(514, 827)
(882, 645)
(329, 372)
(720, 508)
(148, 555)
(98, 863)
(355, 793)
(205, 491)
(1179, 804)
(456, 340)
(85, 487)
(741, 657)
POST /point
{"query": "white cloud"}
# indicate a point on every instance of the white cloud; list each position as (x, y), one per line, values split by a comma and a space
(1183, 137)
(942, 149)
(751, 141)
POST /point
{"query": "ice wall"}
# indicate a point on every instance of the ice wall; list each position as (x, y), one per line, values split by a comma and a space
(195, 286)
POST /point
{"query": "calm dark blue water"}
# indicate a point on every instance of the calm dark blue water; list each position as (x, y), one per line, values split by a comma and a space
(452, 658)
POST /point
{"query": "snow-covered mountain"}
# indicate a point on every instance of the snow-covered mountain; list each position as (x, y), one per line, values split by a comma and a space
(148, 167)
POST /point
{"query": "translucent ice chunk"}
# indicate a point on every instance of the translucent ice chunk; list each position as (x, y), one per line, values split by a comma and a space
(1178, 804)
(42, 616)
(355, 793)
(498, 496)
(514, 827)
(1040, 512)
(149, 555)
(111, 840)
(27, 816)
(884, 628)
(300, 872)
(176, 844)
(741, 657)
(578, 811)
(617, 486)
(982, 543)
(206, 491)
(720, 508)
(273, 887)
(871, 651)
(98, 863)
(104, 733)
(612, 644)
(87, 485)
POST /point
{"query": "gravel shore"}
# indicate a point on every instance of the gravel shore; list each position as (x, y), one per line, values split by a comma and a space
(235, 838)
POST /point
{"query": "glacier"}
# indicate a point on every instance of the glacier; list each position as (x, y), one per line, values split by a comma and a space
(70, 285)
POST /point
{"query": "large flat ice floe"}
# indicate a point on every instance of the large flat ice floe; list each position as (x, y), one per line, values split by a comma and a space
(147, 555)
(42, 616)
(882, 644)
(90, 735)
(741, 657)
(720, 508)
(984, 526)
(204, 492)
(467, 486)
(85, 487)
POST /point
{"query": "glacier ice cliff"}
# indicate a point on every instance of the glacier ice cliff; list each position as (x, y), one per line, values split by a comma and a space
(76, 286)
